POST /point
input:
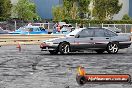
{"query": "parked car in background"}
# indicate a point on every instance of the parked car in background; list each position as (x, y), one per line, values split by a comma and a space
(65, 29)
(61, 23)
(97, 39)
(30, 30)
(3, 31)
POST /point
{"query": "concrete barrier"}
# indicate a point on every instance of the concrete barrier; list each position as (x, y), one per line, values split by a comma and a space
(6, 39)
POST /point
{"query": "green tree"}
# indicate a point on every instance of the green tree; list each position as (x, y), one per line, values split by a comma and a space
(71, 9)
(80, 6)
(69, 6)
(74, 11)
(126, 17)
(25, 10)
(105, 9)
(58, 13)
(68, 10)
(83, 7)
(5, 8)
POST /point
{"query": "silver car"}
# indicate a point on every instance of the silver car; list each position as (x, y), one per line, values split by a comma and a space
(97, 39)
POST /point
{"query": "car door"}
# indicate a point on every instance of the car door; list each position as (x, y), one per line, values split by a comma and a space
(43, 31)
(36, 31)
(101, 38)
(84, 39)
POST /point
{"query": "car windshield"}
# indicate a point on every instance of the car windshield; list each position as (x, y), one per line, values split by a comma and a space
(73, 33)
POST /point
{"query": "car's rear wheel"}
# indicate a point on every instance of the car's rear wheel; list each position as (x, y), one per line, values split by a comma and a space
(100, 51)
(64, 48)
(112, 48)
(53, 52)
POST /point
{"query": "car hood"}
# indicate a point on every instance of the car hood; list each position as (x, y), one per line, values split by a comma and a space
(60, 39)
(50, 40)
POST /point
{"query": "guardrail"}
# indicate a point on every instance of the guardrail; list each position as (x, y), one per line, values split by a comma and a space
(6, 39)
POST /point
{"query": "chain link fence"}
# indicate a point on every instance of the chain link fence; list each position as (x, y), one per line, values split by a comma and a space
(125, 28)
(13, 25)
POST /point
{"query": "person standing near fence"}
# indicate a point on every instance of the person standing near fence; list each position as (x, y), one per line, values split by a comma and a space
(58, 28)
(55, 28)
(29, 24)
(47, 23)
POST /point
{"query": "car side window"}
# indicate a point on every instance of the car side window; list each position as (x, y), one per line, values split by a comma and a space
(36, 29)
(107, 34)
(86, 33)
(111, 34)
(99, 33)
(42, 29)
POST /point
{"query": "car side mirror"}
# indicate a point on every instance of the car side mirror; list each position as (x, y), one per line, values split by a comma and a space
(77, 36)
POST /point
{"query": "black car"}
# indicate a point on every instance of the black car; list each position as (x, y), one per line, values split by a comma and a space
(98, 39)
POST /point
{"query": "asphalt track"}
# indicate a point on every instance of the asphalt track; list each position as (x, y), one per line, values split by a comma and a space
(33, 68)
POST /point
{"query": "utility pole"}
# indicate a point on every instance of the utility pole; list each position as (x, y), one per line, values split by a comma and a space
(15, 24)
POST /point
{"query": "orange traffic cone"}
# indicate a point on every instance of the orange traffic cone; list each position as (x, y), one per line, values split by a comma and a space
(19, 46)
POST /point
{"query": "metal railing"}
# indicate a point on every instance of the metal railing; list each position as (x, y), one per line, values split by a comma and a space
(25, 39)
(126, 28)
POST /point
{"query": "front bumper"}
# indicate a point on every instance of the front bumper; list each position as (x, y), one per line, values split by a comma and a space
(48, 47)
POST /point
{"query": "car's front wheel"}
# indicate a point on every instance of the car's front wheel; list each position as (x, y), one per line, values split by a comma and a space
(64, 48)
(112, 48)
(53, 52)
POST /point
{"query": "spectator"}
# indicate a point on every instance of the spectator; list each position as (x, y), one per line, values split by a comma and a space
(47, 24)
(58, 28)
(55, 28)
(29, 24)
